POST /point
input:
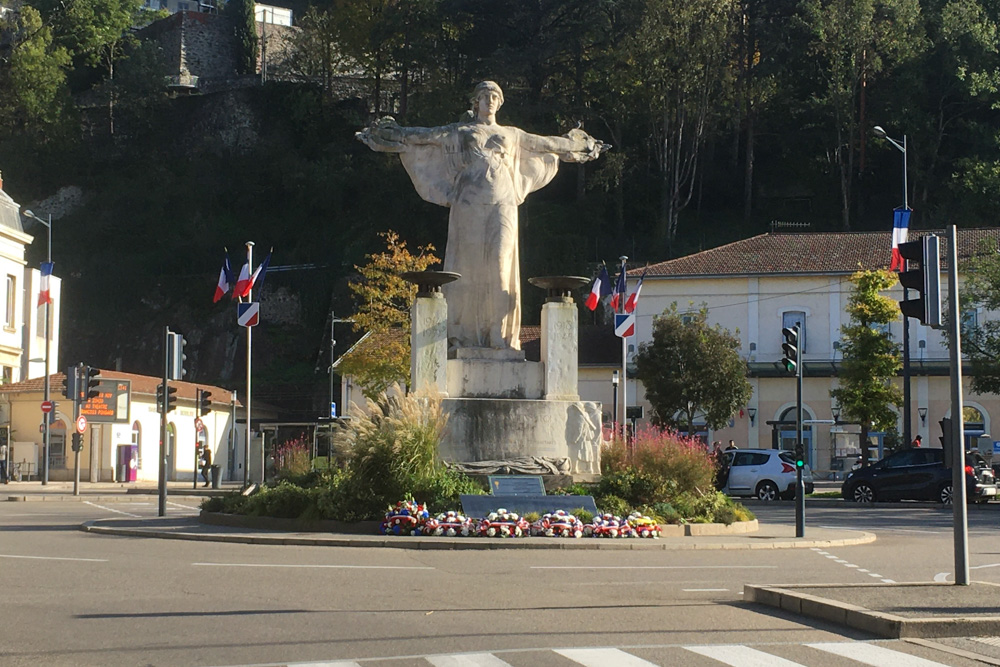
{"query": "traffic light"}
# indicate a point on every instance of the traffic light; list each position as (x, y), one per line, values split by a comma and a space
(946, 441)
(91, 381)
(69, 383)
(175, 356)
(800, 456)
(77, 442)
(791, 348)
(171, 398)
(925, 279)
(204, 405)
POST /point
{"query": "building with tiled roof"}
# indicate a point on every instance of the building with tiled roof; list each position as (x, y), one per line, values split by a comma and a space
(757, 286)
(121, 441)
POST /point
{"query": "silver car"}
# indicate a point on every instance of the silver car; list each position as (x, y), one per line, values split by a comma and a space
(765, 474)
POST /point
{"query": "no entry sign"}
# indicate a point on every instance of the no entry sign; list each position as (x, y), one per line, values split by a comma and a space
(47, 406)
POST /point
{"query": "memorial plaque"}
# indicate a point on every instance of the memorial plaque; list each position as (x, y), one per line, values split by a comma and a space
(516, 485)
(478, 507)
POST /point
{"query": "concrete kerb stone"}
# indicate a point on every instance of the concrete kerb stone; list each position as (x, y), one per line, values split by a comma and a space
(107, 527)
(882, 624)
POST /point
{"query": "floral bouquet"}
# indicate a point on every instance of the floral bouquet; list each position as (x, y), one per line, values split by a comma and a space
(406, 518)
(608, 525)
(449, 524)
(503, 523)
(558, 524)
(643, 526)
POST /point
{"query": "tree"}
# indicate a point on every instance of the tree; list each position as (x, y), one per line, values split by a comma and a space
(383, 358)
(871, 358)
(33, 76)
(690, 368)
(244, 21)
(981, 340)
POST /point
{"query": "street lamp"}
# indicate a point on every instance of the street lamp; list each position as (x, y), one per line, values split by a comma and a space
(907, 413)
(835, 411)
(923, 416)
(751, 412)
(48, 338)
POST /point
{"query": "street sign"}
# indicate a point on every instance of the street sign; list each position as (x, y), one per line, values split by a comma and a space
(199, 425)
(47, 406)
(111, 403)
(248, 314)
(333, 410)
(81, 424)
(625, 325)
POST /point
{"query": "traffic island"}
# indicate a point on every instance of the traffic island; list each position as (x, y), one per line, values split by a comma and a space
(894, 611)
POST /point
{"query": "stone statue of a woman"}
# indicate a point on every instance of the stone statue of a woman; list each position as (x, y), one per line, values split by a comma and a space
(482, 171)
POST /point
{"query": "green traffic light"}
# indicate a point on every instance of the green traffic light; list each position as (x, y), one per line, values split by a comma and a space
(799, 463)
(789, 365)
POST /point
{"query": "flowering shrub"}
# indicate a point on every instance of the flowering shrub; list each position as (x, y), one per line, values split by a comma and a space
(292, 458)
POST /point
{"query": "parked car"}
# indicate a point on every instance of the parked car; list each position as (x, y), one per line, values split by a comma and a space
(765, 474)
(918, 474)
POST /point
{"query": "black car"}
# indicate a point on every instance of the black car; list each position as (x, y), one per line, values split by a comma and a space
(917, 474)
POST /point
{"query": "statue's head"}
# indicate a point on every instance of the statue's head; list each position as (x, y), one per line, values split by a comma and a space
(486, 89)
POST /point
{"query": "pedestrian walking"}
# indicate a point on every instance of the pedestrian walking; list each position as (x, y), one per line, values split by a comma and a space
(206, 464)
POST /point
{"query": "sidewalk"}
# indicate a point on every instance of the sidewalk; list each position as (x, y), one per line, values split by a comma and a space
(121, 491)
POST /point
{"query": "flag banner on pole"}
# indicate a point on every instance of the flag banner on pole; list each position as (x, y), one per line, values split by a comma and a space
(900, 225)
(633, 298)
(243, 283)
(621, 286)
(601, 287)
(225, 280)
(44, 295)
(257, 279)
(625, 325)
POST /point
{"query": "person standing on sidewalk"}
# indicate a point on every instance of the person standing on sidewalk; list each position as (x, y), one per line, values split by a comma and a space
(3, 463)
(206, 465)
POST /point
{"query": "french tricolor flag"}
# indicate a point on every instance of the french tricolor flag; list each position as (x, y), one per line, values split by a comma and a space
(900, 225)
(243, 283)
(621, 286)
(44, 296)
(601, 287)
(225, 280)
(633, 299)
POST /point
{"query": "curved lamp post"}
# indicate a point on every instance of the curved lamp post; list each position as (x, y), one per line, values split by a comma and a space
(907, 413)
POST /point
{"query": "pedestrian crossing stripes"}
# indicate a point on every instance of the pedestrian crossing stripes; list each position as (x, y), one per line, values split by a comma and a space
(846, 654)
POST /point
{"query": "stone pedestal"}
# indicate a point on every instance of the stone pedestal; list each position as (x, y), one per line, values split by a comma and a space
(429, 344)
(560, 350)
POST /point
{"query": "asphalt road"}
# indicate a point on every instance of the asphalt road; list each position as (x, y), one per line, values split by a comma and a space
(72, 598)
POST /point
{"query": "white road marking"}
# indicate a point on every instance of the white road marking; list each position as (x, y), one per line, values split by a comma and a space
(872, 574)
(654, 567)
(704, 590)
(85, 560)
(876, 656)
(741, 656)
(941, 576)
(861, 569)
(339, 663)
(331, 567)
(980, 567)
(466, 660)
(888, 581)
(109, 509)
(603, 657)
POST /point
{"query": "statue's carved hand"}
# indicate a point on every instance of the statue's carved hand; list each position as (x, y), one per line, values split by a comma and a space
(585, 146)
(384, 134)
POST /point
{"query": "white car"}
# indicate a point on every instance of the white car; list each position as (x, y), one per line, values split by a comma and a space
(765, 474)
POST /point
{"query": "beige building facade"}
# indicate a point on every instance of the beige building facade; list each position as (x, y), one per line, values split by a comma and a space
(757, 286)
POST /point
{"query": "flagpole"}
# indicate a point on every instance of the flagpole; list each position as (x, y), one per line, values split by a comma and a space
(621, 305)
(246, 451)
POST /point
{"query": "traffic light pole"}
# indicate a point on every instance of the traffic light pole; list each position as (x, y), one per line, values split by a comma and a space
(194, 473)
(162, 479)
(800, 488)
(77, 438)
(960, 516)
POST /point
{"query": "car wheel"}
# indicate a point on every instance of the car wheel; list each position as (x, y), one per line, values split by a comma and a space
(945, 495)
(767, 491)
(863, 493)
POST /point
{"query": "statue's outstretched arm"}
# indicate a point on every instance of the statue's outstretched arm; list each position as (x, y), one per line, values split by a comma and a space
(575, 146)
(387, 136)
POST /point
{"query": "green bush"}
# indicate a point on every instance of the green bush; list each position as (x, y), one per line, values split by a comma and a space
(610, 504)
(583, 515)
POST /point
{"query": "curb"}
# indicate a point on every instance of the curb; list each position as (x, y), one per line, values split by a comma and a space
(878, 623)
(472, 544)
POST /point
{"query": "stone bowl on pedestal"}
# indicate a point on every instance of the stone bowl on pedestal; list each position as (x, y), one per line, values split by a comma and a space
(559, 288)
